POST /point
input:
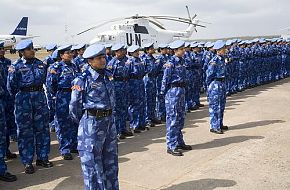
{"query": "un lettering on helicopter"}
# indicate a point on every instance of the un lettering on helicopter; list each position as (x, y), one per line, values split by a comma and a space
(138, 30)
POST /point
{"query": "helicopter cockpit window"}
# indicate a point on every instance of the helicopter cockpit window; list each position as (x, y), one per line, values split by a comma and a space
(140, 29)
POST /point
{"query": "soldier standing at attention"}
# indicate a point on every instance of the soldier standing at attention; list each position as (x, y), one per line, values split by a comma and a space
(25, 81)
(173, 87)
(92, 104)
(215, 78)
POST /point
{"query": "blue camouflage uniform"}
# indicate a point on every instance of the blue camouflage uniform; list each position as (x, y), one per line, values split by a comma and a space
(119, 71)
(80, 62)
(189, 95)
(152, 67)
(160, 104)
(216, 91)
(25, 81)
(197, 75)
(136, 97)
(58, 82)
(3, 145)
(173, 86)
(11, 129)
(92, 103)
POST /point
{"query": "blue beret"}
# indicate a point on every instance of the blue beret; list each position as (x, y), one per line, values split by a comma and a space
(262, 40)
(256, 40)
(65, 48)
(54, 54)
(73, 48)
(163, 46)
(108, 45)
(24, 44)
(193, 44)
(117, 47)
(187, 44)
(177, 44)
(148, 45)
(219, 44)
(229, 42)
(50, 47)
(242, 42)
(200, 44)
(133, 48)
(1, 44)
(94, 51)
(208, 44)
(80, 46)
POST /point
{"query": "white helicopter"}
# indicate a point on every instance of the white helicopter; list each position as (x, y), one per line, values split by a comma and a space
(137, 30)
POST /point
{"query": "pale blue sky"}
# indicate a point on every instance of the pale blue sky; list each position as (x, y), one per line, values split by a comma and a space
(47, 18)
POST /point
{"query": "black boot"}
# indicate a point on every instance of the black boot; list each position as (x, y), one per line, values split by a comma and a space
(10, 155)
(29, 169)
(44, 163)
(67, 156)
(8, 177)
(174, 152)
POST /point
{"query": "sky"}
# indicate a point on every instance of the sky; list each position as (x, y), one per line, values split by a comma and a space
(58, 20)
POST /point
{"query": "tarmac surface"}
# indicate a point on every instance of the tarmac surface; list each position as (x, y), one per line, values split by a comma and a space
(253, 155)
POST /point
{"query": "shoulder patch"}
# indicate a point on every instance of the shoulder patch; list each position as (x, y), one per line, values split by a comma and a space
(52, 71)
(76, 87)
(167, 65)
(11, 69)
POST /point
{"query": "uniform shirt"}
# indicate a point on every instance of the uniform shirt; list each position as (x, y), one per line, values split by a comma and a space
(118, 68)
(136, 67)
(6, 63)
(216, 69)
(25, 73)
(2, 82)
(91, 90)
(48, 60)
(162, 59)
(175, 72)
(188, 60)
(152, 66)
(80, 62)
(108, 58)
(61, 76)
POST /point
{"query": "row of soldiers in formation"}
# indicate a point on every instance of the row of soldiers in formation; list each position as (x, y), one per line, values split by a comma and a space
(146, 88)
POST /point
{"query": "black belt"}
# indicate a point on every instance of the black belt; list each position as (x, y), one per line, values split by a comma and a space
(120, 79)
(189, 68)
(220, 79)
(181, 85)
(31, 88)
(99, 113)
(136, 77)
(65, 89)
(152, 75)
